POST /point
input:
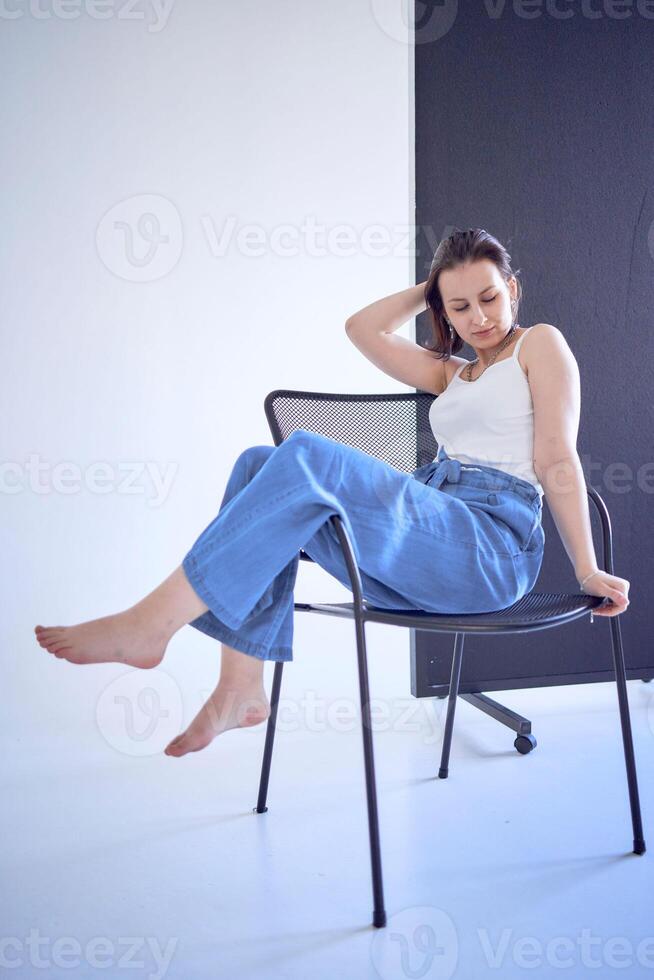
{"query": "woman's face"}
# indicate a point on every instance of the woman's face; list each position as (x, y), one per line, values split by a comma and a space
(476, 298)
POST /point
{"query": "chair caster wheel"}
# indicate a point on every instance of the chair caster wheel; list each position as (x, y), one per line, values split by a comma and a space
(525, 743)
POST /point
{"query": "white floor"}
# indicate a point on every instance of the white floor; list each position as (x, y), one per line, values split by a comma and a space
(513, 866)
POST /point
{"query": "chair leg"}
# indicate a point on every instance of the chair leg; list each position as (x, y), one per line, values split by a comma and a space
(451, 703)
(379, 912)
(621, 680)
(270, 738)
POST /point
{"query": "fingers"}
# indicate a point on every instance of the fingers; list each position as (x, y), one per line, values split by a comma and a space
(618, 605)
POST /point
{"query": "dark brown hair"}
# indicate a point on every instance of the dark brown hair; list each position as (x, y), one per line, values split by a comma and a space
(461, 247)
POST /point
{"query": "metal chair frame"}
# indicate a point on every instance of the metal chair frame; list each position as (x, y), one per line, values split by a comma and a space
(285, 408)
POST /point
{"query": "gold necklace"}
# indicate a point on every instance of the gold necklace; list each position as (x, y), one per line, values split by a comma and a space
(507, 340)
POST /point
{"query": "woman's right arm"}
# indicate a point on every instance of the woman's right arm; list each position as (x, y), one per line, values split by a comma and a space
(372, 331)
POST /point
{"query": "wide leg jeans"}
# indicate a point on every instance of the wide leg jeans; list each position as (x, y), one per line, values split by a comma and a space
(449, 537)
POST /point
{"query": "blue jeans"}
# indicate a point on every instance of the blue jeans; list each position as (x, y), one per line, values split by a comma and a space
(446, 538)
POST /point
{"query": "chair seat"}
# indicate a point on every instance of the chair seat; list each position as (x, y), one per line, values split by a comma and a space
(536, 610)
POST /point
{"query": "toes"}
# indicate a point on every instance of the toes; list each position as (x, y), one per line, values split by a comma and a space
(55, 632)
(176, 745)
(175, 741)
(55, 646)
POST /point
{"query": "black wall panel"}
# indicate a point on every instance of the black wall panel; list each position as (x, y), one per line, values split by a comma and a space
(539, 127)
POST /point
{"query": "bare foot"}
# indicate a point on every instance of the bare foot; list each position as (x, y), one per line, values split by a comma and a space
(127, 638)
(228, 707)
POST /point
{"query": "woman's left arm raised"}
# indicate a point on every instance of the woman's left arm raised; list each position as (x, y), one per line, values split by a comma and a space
(553, 375)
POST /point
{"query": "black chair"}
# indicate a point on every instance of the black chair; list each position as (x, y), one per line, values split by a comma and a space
(396, 429)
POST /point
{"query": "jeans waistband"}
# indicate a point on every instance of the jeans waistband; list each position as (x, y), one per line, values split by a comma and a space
(450, 470)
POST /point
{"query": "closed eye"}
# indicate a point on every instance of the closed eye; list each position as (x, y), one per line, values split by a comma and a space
(461, 308)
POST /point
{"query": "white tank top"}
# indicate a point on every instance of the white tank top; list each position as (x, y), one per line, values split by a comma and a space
(489, 421)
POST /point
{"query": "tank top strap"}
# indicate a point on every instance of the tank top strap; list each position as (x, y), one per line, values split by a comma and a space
(517, 346)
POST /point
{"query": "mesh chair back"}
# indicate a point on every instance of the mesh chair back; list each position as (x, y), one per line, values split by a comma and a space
(393, 427)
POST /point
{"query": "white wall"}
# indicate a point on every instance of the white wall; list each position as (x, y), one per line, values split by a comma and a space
(208, 115)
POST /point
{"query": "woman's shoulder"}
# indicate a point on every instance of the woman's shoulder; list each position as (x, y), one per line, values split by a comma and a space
(547, 345)
(541, 328)
(537, 330)
(540, 335)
